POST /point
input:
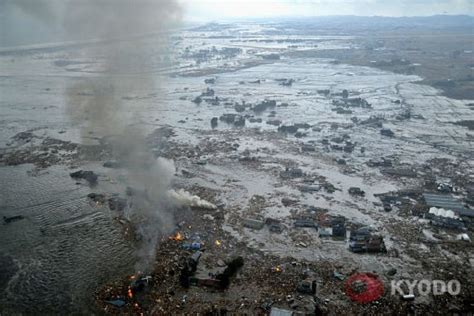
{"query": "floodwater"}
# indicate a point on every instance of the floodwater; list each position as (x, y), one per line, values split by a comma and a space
(65, 247)
(62, 249)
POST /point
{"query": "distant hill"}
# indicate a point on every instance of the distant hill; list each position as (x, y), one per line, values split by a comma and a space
(374, 23)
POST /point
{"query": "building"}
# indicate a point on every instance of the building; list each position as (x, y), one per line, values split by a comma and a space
(280, 312)
(447, 202)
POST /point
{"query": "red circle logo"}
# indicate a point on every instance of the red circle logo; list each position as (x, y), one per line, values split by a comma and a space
(364, 287)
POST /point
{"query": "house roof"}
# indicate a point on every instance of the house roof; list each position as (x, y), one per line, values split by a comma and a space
(447, 202)
(280, 312)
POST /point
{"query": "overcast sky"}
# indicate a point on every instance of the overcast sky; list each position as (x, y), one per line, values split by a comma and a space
(222, 9)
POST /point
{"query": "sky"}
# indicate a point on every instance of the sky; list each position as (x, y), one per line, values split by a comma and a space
(201, 10)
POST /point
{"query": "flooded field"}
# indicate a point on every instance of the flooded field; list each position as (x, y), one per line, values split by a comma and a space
(259, 133)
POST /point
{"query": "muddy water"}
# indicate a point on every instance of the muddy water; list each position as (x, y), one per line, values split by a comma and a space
(52, 260)
(63, 247)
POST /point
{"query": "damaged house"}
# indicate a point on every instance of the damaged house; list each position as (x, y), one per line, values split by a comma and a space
(362, 240)
(445, 218)
(447, 202)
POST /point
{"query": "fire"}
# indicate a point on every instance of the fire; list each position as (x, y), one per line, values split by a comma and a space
(177, 237)
(277, 269)
(217, 242)
(129, 293)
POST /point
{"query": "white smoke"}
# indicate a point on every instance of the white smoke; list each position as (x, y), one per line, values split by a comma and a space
(184, 198)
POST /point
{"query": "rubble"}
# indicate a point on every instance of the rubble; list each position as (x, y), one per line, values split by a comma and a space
(324, 92)
(89, 176)
(305, 223)
(445, 218)
(286, 82)
(291, 173)
(229, 272)
(290, 129)
(253, 223)
(400, 172)
(352, 102)
(11, 219)
(97, 198)
(112, 164)
(139, 284)
(239, 121)
(197, 100)
(117, 303)
(356, 191)
(382, 162)
(447, 202)
(362, 240)
(280, 312)
(240, 107)
(288, 201)
(309, 188)
(307, 287)
(264, 105)
(300, 134)
(117, 203)
(308, 148)
(208, 93)
(255, 120)
(463, 237)
(274, 226)
(339, 276)
(387, 132)
(274, 122)
(325, 232)
(228, 117)
(338, 227)
(271, 56)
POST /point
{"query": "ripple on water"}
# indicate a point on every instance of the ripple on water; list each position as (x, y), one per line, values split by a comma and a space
(53, 259)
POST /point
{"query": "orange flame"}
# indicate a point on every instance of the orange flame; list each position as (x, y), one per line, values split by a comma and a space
(277, 269)
(129, 293)
(177, 237)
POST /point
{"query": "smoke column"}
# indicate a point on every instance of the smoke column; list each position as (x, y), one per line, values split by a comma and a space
(126, 63)
(123, 59)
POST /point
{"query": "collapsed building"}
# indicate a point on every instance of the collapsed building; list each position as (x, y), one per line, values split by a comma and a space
(444, 218)
(362, 240)
(447, 202)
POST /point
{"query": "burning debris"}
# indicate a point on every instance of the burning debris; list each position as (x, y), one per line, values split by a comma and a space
(178, 237)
